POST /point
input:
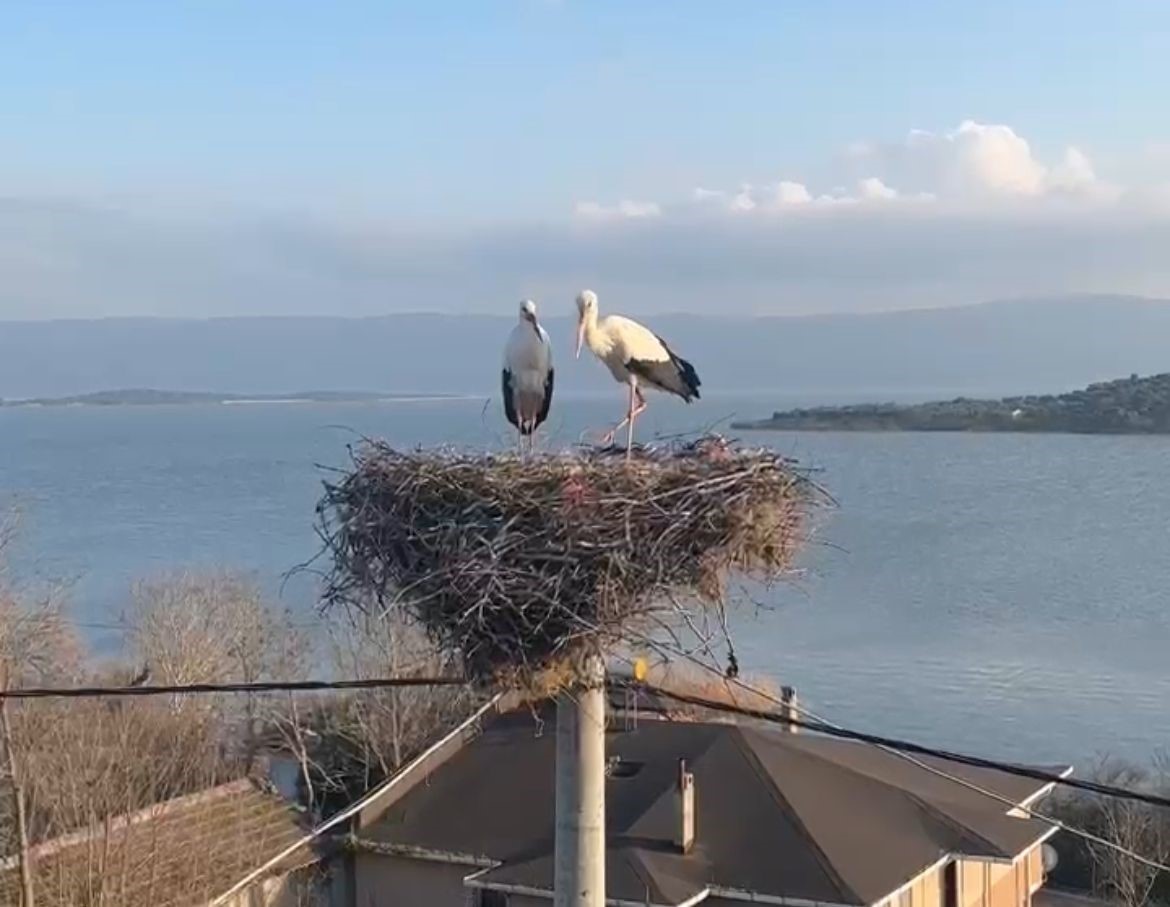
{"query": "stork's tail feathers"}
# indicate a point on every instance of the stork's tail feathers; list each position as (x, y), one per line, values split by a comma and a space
(690, 379)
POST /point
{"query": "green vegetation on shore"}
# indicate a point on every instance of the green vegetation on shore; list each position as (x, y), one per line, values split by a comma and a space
(1127, 406)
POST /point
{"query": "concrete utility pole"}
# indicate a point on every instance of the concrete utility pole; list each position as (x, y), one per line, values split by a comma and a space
(579, 875)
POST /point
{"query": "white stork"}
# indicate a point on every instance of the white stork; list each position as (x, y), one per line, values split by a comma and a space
(528, 373)
(634, 355)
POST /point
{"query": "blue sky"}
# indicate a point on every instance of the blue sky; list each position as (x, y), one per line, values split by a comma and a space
(460, 118)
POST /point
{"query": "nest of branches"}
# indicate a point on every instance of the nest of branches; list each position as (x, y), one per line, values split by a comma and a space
(521, 566)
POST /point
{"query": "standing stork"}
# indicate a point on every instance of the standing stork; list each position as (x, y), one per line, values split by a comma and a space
(634, 355)
(528, 373)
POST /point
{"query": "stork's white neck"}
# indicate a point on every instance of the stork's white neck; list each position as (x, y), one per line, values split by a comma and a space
(595, 338)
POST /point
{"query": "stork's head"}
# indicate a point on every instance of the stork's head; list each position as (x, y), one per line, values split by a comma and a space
(528, 311)
(586, 309)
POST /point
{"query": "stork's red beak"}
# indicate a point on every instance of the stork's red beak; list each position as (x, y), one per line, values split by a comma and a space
(580, 337)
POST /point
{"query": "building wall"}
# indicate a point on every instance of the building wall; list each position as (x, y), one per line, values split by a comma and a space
(981, 884)
(985, 884)
(384, 881)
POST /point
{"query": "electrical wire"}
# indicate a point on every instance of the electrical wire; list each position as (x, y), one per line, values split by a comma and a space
(817, 724)
(907, 746)
(255, 687)
(900, 748)
(934, 770)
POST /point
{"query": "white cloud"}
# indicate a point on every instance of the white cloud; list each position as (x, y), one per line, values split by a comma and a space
(992, 158)
(789, 193)
(1075, 170)
(743, 200)
(874, 189)
(981, 163)
(625, 209)
(972, 167)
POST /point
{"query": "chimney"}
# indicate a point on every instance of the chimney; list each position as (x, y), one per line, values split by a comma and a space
(789, 710)
(684, 798)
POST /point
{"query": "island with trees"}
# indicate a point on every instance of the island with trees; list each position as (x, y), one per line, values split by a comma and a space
(1132, 405)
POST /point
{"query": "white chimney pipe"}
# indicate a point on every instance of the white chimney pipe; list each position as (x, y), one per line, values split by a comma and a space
(789, 709)
(684, 833)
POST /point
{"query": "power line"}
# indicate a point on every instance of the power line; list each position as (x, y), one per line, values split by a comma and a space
(817, 724)
(934, 770)
(255, 687)
(906, 746)
(900, 748)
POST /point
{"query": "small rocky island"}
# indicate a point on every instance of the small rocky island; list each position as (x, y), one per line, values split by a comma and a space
(1127, 406)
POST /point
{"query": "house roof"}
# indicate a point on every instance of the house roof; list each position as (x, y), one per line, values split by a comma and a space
(787, 815)
(180, 853)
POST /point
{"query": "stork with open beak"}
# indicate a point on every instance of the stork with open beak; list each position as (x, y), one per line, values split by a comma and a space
(528, 374)
(634, 355)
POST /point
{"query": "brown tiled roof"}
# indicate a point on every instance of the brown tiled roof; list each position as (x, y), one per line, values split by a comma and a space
(181, 853)
(785, 815)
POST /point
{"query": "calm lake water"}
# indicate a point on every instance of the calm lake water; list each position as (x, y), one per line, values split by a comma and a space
(1007, 594)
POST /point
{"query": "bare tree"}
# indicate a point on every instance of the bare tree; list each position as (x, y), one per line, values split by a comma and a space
(1131, 827)
(348, 743)
(78, 765)
(214, 628)
(36, 646)
(392, 723)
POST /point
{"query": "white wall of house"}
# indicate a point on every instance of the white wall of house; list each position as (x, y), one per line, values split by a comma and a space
(385, 881)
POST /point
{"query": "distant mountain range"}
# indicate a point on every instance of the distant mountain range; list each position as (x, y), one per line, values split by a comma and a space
(990, 349)
(1128, 406)
(152, 397)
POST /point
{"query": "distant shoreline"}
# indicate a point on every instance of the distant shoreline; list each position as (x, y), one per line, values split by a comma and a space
(152, 397)
(1127, 406)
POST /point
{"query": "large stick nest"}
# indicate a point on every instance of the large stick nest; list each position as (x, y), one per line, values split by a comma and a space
(518, 565)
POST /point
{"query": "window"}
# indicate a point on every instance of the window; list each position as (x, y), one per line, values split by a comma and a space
(487, 898)
(950, 885)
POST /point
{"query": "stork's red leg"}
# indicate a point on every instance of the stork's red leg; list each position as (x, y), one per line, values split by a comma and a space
(608, 437)
(630, 416)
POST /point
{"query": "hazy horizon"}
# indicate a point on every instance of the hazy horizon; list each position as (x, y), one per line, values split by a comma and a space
(551, 310)
(203, 160)
(1010, 347)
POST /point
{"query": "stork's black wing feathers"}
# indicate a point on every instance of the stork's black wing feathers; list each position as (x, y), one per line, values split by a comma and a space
(509, 401)
(548, 389)
(675, 375)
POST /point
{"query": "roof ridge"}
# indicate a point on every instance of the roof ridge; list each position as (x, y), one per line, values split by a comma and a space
(655, 795)
(935, 811)
(740, 740)
(855, 770)
(954, 824)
